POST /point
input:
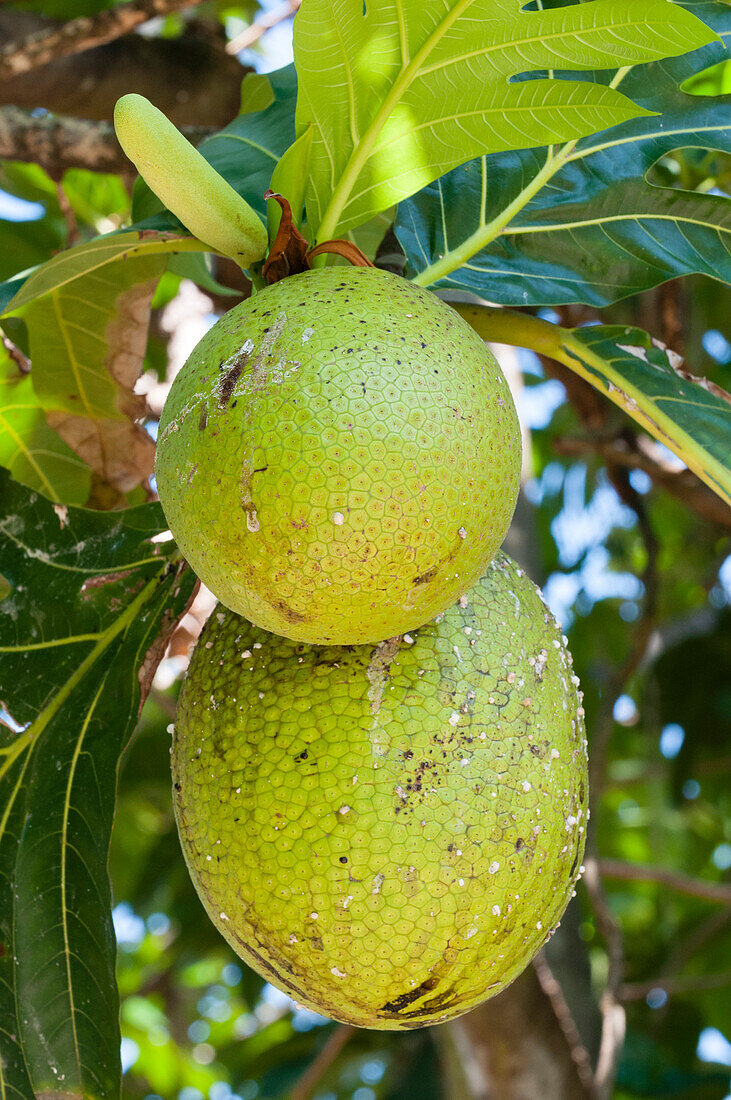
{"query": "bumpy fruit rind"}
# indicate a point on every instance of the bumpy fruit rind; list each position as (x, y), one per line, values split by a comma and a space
(388, 833)
(340, 457)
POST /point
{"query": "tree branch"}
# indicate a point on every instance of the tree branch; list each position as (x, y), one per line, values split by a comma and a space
(511, 1047)
(613, 1015)
(304, 1087)
(21, 361)
(190, 78)
(684, 884)
(552, 988)
(57, 143)
(646, 455)
(637, 991)
(259, 28)
(52, 43)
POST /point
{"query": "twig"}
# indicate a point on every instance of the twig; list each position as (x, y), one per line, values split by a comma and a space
(613, 1016)
(551, 987)
(693, 941)
(604, 723)
(646, 455)
(637, 991)
(52, 43)
(72, 227)
(56, 142)
(255, 31)
(22, 361)
(303, 1088)
(684, 884)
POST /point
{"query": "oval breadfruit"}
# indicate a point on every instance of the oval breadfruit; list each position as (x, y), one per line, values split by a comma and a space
(340, 456)
(388, 833)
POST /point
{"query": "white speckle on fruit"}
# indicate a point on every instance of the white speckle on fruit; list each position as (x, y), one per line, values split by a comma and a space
(338, 519)
(494, 867)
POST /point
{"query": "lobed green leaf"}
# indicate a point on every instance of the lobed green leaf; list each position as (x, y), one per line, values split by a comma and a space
(583, 223)
(401, 92)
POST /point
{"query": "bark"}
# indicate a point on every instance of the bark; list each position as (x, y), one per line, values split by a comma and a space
(510, 1048)
(57, 143)
(55, 41)
(191, 78)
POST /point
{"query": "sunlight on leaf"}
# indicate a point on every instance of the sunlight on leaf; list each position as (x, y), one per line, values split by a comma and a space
(34, 453)
(401, 92)
(581, 223)
(87, 344)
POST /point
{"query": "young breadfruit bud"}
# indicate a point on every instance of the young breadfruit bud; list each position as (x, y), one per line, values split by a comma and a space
(186, 183)
(388, 833)
(340, 457)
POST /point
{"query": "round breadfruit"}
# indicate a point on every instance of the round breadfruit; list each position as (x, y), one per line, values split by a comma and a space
(388, 833)
(339, 458)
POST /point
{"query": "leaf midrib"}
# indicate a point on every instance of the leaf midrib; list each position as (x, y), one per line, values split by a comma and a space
(364, 148)
(31, 735)
(516, 43)
(24, 450)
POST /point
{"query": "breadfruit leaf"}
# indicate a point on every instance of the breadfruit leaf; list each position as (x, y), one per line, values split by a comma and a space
(583, 223)
(687, 415)
(399, 91)
(90, 258)
(33, 452)
(86, 598)
(87, 312)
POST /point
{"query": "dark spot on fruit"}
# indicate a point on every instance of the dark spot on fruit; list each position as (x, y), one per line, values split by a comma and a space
(301, 756)
(520, 843)
(289, 613)
(343, 859)
(405, 999)
(581, 792)
(203, 418)
(178, 787)
(424, 578)
(231, 377)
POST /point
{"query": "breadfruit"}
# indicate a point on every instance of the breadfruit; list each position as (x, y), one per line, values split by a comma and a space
(388, 832)
(339, 458)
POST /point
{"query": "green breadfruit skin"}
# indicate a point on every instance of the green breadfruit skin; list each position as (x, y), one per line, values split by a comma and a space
(340, 457)
(388, 833)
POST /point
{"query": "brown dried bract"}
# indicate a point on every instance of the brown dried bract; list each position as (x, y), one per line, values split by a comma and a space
(290, 253)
